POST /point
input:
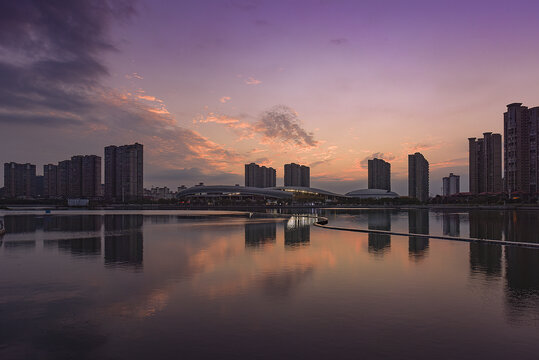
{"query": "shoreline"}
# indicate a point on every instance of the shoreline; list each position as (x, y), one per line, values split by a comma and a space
(250, 208)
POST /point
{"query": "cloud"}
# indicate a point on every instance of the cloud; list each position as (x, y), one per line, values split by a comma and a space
(450, 163)
(52, 72)
(134, 76)
(418, 147)
(338, 41)
(279, 124)
(282, 122)
(224, 99)
(365, 162)
(252, 81)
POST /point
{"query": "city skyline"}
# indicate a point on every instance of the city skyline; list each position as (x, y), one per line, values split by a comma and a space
(254, 82)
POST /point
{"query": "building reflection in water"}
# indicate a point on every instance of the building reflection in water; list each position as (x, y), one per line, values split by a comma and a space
(379, 244)
(297, 232)
(73, 223)
(19, 245)
(486, 224)
(451, 224)
(16, 224)
(521, 264)
(260, 234)
(418, 223)
(486, 259)
(77, 246)
(522, 283)
(123, 241)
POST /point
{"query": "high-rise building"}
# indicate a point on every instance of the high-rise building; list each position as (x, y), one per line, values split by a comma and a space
(91, 176)
(485, 163)
(63, 176)
(418, 177)
(50, 180)
(297, 175)
(451, 185)
(259, 176)
(79, 177)
(75, 177)
(521, 148)
(124, 172)
(19, 180)
(379, 174)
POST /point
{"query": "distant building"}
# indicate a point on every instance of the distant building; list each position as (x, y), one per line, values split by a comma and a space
(19, 180)
(75, 177)
(158, 193)
(379, 174)
(91, 176)
(50, 180)
(521, 148)
(485, 163)
(260, 176)
(418, 177)
(451, 185)
(124, 172)
(297, 175)
(79, 177)
(63, 178)
(39, 186)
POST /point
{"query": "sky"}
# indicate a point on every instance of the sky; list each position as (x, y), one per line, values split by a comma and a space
(208, 86)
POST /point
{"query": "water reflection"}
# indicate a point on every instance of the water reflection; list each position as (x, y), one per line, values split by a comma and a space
(297, 232)
(20, 224)
(486, 224)
(418, 223)
(486, 259)
(123, 241)
(522, 281)
(19, 245)
(260, 234)
(73, 223)
(76, 246)
(379, 244)
(451, 224)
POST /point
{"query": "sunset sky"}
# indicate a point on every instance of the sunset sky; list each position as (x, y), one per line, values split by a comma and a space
(208, 86)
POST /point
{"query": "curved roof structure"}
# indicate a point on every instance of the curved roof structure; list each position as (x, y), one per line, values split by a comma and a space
(306, 190)
(219, 190)
(372, 194)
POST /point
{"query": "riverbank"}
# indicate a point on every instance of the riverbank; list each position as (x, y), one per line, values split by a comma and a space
(258, 208)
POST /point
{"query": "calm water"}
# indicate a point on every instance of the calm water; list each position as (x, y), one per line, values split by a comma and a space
(140, 286)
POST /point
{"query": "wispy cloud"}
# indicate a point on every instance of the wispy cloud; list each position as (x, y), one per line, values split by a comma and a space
(279, 124)
(252, 81)
(364, 163)
(224, 99)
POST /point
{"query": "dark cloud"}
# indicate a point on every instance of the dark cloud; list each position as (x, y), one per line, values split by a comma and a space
(53, 47)
(338, 41)
(365, 162)
(52, 72)
(281, 122)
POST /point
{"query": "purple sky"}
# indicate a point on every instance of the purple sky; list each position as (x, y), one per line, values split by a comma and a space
(207, 86)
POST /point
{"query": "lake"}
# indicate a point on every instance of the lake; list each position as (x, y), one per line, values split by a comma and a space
(140, 285)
